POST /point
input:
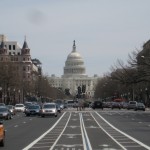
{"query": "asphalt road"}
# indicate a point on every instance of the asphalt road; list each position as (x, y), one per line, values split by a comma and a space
(80, 130)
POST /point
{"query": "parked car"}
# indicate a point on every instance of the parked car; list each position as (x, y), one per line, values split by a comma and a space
(97, 104)
(5, 113)
(125, 105)
(2, 104)
(139, 106)
(2, 134)
(107, 104)
(115, 105)
(131, 105)
(20, 107)
(49, 109)
(12, 109)
(32, 110)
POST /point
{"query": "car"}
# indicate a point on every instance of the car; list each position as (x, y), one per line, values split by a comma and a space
(19, 107)
(97, 104)
(125, 105)
(115, 105)
(26, 104)
(49, 109)
(12, 109)
(58, 108)
(2, 104)
(62, 106)
(2, 134)
(5, 113)
(131, 105)
(139, 106)
(107, 104)
(32, 110)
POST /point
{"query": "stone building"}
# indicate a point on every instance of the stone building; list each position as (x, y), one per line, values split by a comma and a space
(23, 71)
(75, 77)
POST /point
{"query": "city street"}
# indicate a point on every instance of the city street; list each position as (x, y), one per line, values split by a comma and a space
(80, 130)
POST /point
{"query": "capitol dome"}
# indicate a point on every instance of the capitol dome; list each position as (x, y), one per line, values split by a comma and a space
(74, 65)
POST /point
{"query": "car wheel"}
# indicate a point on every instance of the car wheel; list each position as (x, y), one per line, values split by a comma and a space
(2, 142)
(55, 115)
(43, 116)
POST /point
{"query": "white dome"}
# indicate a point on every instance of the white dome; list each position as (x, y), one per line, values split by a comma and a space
(74, 64)
(74, 55)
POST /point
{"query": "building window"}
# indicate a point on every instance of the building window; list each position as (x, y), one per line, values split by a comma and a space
(14, 47)
(18, 53)
(24, 59)
(1, 58)
(9, 53)
(9, 47)
(24, 68)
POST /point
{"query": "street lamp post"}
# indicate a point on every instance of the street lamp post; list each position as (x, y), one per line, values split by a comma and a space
(147, 97)
(14, 97)
(19, 95)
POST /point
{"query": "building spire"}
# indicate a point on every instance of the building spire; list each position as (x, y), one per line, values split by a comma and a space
(74, 46)
(25, 45)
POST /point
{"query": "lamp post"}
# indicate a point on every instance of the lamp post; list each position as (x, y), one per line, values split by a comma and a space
(14, 97)
(19, 95)
(147, 97)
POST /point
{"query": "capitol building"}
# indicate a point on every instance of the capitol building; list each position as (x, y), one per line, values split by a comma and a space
(75, 76)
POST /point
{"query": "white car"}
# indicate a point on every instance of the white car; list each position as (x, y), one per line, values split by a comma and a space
(49, 109)
(20, 107)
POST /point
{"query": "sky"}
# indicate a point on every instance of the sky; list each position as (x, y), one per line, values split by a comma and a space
(104, 30)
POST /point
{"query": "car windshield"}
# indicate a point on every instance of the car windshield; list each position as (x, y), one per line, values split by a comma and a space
(140, 104)
(34, 107)
(132, 102)
(49, 106)
(10, 107)
(2, 104)
(3, 109)
(19, 105)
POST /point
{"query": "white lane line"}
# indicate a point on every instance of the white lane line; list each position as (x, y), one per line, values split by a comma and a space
(109, 134)
(60, 134)
(130, 137)
(16, 126)
(86, 141)
(35, 141)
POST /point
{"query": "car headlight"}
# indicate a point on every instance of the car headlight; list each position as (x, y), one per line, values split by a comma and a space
(5, 114)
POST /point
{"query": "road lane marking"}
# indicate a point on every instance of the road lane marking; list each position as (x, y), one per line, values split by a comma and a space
(60, 133)
(35, 141)
(86, 141)
(109, 134)
(130, 137)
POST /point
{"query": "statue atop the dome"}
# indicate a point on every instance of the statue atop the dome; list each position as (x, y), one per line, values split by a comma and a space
(74, 46)
(74, 43)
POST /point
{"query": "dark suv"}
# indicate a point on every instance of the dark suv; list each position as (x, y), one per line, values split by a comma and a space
(97, 104)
